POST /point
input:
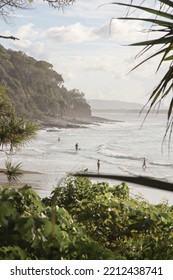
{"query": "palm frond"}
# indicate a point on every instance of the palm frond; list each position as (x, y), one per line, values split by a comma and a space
(13, 171)
(167, 24)
(161, 21)
(16, 132)
(146, 9)
(167, 2)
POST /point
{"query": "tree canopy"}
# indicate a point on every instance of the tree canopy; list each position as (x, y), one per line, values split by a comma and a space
(36, 89)
(14, 130)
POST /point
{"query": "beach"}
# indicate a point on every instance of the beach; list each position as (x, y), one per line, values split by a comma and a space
(36, 179)
(117, 140)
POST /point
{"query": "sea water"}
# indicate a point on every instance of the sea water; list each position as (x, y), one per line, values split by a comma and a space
(120, 146)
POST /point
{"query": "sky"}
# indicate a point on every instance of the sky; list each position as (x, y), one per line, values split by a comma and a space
(88, 45)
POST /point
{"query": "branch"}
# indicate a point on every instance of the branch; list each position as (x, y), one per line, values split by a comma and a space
(139, 180)
(9, 37)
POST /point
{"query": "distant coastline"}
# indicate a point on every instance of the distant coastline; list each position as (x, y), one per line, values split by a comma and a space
(130, 111)
(116, 106)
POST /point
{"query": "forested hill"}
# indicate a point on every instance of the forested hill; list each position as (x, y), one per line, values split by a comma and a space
(36, 89)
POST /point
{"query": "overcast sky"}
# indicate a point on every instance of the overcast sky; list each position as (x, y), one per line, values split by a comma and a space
(79, 44)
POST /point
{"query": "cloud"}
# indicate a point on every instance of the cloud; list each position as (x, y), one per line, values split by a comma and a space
(27, 31)
(96, 63)
(78, 50)
(77, 33)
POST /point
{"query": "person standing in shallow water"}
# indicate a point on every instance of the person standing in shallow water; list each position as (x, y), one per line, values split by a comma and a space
(98, 165)
(76, 146)
(144, 164)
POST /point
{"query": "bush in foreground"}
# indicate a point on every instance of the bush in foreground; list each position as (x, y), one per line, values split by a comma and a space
(83, 220)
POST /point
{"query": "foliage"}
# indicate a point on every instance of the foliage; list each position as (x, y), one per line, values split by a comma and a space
(83, 220)
(36, 90)
(14, 131)
(160, 18)
(33, 86)
(5, 103)
(28, 230)
(132, 228)
(13, 171)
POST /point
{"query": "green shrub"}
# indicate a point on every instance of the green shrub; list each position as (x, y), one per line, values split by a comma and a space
(83, 220)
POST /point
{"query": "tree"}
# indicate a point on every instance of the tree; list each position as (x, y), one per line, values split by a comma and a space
(5, 103)
(14, 130)
(14, 133)
(160, 18)
(37, 90)
(13, 171)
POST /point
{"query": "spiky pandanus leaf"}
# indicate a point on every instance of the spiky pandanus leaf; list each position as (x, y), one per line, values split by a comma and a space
(13, 171)
(15, 132)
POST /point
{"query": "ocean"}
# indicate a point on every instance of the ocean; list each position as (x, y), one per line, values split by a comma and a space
(120, 146)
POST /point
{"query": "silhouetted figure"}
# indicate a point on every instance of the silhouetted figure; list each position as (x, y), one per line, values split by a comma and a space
(59, 138)
(144, 164)
(77, 146)
(98, 165)
(85, 170)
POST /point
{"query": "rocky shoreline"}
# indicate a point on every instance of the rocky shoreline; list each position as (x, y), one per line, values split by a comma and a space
(68, 122)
